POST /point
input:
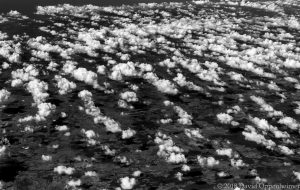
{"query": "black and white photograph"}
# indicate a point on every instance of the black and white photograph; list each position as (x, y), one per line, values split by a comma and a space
(150, 94)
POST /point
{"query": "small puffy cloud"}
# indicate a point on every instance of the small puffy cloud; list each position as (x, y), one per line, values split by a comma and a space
(168, 150)
(64, 85)
(89, 77)
(193, 133)
(126, 134)
(101, 69)
(74, 183)
(225, 152)
(123, 69)
(45, 109)
(137, 173)
(297, 174)
(127, 183)
(289, 122)
(185, 168)
(62, 128)
(64, 170)
(252, 135)
(207, 161)
(4, 95)
(91, 174)
(163, 85)
(90, 109)
(2, 150)
(224, 118)
(184, 117)
(38, 90)
(46, 158)
(129, 96)
(285, 150)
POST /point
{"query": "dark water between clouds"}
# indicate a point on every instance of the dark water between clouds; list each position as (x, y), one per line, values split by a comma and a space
(29, 6)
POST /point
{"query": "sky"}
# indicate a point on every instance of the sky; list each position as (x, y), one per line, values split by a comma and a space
(28, 6)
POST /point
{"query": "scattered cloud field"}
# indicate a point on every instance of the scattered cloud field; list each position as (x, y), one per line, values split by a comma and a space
(162, 96)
